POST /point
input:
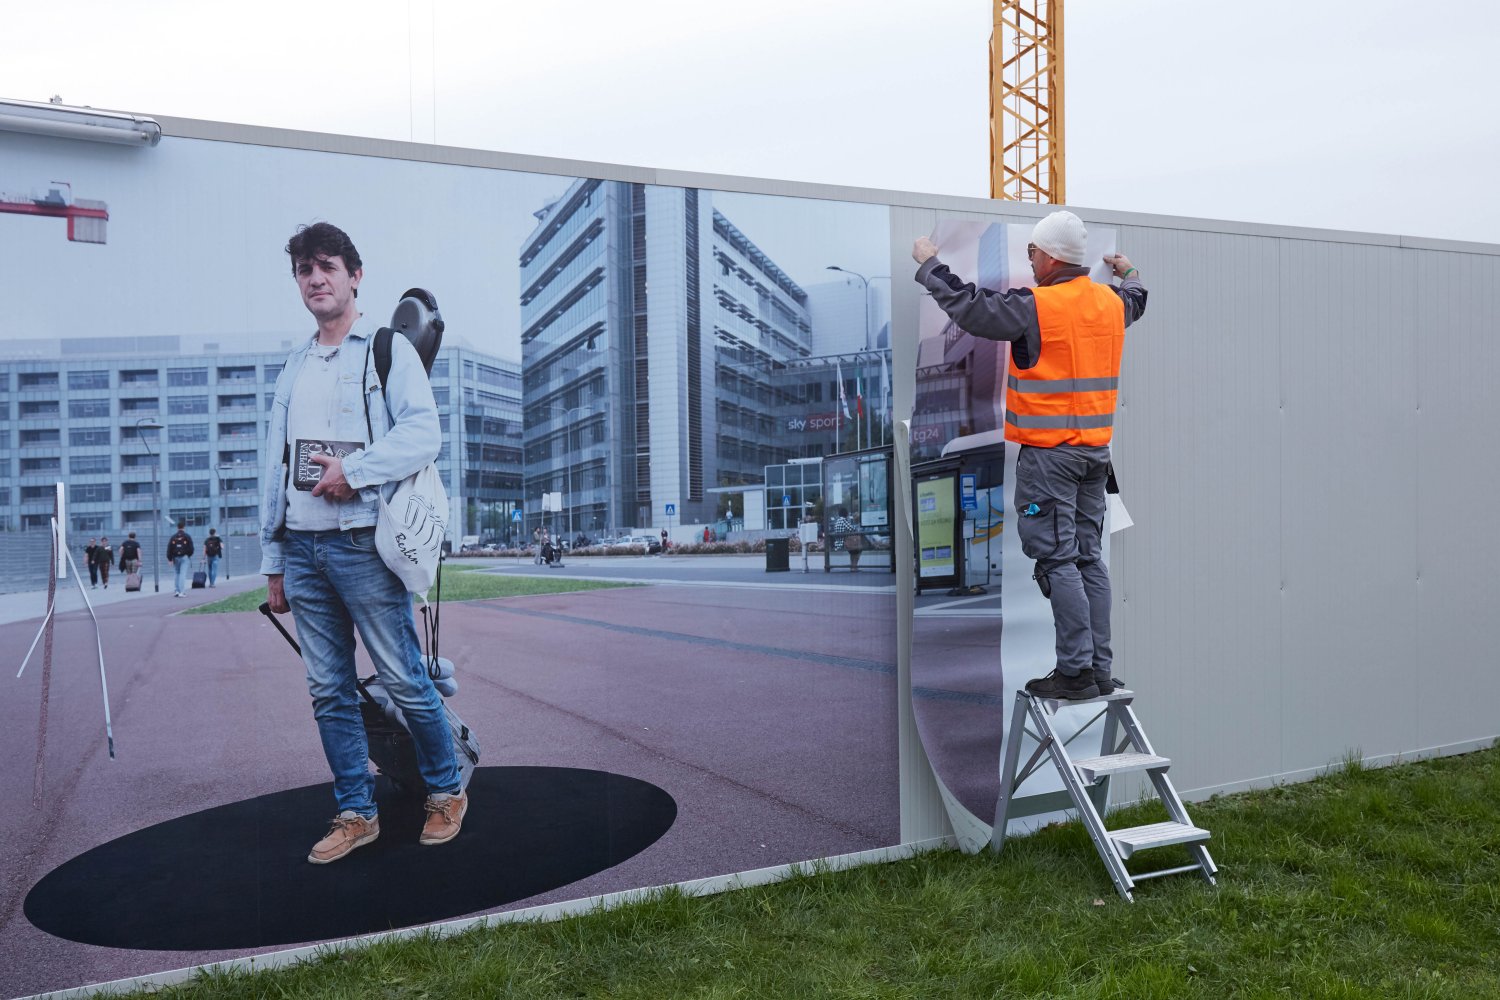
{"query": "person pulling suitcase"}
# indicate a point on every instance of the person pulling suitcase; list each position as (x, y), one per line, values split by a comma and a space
(130, 563)
(319, 553)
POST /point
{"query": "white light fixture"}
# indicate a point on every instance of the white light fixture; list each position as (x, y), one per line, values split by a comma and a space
(78, 123)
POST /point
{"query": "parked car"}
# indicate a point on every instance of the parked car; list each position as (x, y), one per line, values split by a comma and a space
(650, 543)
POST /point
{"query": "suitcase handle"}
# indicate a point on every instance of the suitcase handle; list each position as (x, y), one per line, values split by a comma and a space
(265, 609)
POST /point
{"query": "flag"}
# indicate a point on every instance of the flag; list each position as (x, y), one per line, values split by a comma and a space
(859, 397)
(843, 399)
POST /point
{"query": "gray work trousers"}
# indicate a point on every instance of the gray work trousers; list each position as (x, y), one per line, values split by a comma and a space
(1060, 502)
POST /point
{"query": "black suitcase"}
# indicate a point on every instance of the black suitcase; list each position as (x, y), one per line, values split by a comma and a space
(200, 579)
(390, 745)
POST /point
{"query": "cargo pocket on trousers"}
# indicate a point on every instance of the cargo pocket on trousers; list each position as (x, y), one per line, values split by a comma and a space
(1037, 528)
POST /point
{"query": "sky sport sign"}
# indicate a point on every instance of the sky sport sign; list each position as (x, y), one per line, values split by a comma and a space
(816, 423)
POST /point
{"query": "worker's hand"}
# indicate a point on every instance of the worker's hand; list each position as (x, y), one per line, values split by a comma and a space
(1118, 263)
(276, 594)
(923, 250)
(332, 485)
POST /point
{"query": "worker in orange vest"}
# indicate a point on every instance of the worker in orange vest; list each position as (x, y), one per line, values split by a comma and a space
(1066, 337)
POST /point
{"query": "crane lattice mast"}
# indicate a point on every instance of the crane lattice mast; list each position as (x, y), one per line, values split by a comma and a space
(1026, 102)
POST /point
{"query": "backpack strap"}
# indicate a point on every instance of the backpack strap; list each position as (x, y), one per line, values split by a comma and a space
(383, 353)
(381, 345)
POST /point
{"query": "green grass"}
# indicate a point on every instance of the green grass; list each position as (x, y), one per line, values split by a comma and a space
(460, 583)
(1363, 885)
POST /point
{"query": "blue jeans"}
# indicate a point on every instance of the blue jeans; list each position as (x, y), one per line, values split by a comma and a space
(184, 575)
(213, 569)
(336, 582)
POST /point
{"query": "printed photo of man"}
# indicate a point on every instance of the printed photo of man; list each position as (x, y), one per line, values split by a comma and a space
(318, 547)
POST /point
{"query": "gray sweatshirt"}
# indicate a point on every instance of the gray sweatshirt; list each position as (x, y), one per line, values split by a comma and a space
(1011, 315)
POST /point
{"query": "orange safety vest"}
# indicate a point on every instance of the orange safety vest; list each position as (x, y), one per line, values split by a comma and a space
(1069, 396)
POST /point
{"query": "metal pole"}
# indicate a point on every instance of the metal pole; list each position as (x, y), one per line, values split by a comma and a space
(141, 426)
(224, 522)
(155, 529)
(859, 379)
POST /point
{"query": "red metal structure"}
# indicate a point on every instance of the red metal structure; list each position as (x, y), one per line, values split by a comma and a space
(86, 219)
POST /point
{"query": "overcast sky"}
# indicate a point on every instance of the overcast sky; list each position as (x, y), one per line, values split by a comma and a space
(1375, 116)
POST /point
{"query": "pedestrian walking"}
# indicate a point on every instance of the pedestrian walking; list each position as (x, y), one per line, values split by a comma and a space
(130, 554)
(104, 558)
(213, 551)
(88, 560)
(180, 555)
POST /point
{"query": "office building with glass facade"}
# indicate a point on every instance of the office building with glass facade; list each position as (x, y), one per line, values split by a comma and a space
(99, 413)
(665, 355)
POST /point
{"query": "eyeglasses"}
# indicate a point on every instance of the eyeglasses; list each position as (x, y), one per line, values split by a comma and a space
(1031, 250)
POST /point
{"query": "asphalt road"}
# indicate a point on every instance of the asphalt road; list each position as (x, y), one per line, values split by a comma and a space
(763, 703)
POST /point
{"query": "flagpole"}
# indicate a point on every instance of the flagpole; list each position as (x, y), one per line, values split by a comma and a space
(841, 410)
(858, 405)
(885, 377)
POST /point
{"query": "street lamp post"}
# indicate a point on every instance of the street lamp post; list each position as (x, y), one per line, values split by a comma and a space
(865, 282)
(869, 340)
(568, 473)
(224, 470)
(142, 425)
(568, 469)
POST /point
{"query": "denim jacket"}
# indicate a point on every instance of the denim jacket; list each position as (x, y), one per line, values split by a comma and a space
(400, 448)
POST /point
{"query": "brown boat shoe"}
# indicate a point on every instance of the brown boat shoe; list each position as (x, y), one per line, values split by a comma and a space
(445, 815)
(349, 830)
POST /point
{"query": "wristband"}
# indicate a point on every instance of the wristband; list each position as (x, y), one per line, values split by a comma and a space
(1128, 273)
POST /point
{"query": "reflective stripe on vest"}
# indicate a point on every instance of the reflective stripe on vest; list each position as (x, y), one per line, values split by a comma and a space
(1060, 421)
(1062, 384)
(1069, 396)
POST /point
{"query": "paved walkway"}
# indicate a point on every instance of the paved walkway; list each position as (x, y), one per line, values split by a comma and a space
(695, 570)
(699, 570)
(28, 604)
(765, 710)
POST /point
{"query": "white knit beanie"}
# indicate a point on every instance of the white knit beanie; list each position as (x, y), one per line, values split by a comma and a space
(1061, 236)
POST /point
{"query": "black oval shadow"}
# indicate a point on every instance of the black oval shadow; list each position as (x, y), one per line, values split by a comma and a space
(237, 876)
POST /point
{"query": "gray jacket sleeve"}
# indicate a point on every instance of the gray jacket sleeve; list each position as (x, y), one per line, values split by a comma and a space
(984, 312)
(1133, 294)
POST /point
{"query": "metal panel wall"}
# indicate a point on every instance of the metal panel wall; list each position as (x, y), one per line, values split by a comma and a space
(1455, 349)
(1198, 455)
(1299, 444)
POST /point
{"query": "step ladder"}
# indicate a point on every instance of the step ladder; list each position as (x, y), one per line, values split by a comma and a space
(1085, 782)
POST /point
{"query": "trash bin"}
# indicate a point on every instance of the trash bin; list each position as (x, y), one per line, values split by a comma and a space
(778, 555)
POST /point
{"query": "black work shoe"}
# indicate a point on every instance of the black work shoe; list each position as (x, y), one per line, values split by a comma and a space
(1109, 685)
(1059, 685)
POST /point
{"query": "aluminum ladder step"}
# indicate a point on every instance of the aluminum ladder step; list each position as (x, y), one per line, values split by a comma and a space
(1032, 722)
(1139, 838)
(1091, 768)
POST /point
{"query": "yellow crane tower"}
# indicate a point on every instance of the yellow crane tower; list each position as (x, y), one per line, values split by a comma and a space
(1026, 102)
